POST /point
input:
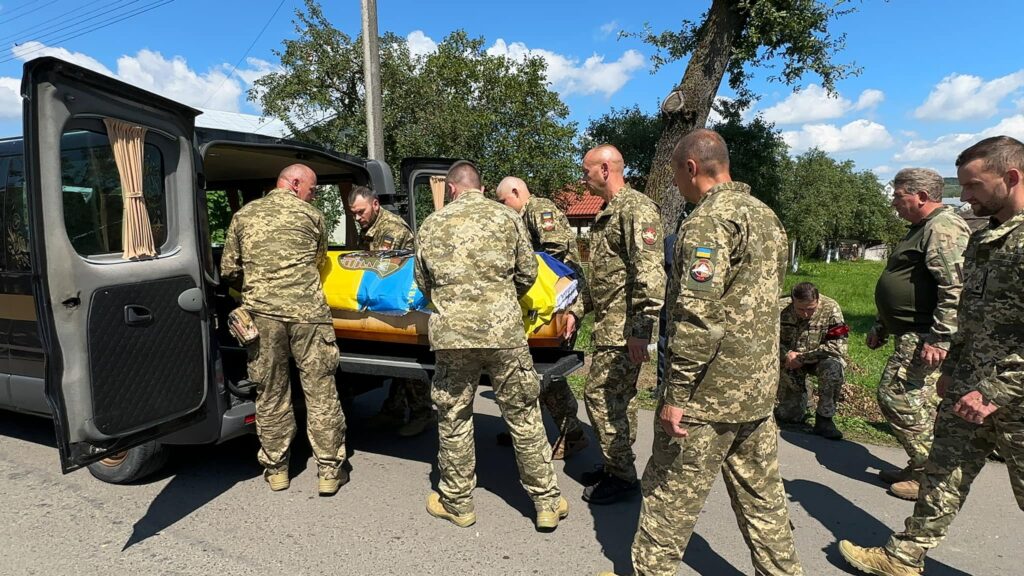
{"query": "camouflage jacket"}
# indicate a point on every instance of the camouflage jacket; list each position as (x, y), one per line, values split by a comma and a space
(474, 261)
(987, 354)
(628, 281)
(273, 249)
(919, 289)
(550, 232)
(388, 232)
(723, 330)
(825, 335)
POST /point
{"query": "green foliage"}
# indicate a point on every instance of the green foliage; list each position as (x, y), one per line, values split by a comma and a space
(787, 37)
(757, 156)
(825, 200)
(219, 213)
(633, 132)
(458, 102)
(328, 200)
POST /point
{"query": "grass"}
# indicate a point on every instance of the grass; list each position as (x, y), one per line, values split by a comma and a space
(852, 284)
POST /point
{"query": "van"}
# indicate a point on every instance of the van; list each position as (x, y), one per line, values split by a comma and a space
(129, 355)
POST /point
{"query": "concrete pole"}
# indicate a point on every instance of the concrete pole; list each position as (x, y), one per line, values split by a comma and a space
(371, 81)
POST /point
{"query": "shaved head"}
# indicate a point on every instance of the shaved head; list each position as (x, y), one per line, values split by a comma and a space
(705, 147)
(512, 192)
(300, 179)
(603, 171)
(608, 154)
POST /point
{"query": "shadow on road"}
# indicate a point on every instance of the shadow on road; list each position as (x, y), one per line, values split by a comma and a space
(28, 428)
(850, 459)
(846, 521)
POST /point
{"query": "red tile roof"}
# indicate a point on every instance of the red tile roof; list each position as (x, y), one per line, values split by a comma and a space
(586, 206)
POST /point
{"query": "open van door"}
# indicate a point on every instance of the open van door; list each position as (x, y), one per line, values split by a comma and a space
(127, 340)
(423, 184)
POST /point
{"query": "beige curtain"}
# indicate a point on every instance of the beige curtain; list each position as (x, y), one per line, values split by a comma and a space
(437, 190)
(136, 234)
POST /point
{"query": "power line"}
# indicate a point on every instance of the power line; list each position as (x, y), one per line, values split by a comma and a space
(37, 33)
(13, 18)
(235, 67)
(100, 26)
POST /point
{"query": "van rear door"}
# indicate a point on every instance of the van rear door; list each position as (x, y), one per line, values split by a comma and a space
(127, 341)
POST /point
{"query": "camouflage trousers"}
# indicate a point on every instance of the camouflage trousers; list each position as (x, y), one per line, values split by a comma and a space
(407, 394)
(610, 398)
(795, 391)
(316, 356)
(557, 397)
(907, 398)
(679, 476)
(516, 388)
(957, 456)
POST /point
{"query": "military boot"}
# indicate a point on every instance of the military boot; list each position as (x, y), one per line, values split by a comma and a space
(826, 428)
(330, 486)
(278, 481)
(907, 490)
(417, 424)
(610, 489)
(568, 444)
(892, 475)
(876, 561)
(547, 520)
(437, 509)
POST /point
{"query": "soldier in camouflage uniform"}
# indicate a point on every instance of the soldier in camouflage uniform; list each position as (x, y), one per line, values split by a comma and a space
(273, 249)
(982, 382)
(813, 341)
(715, 410)
(916, 298)
(627, 289)
(379, 229)
(550, 232)
(474, 261)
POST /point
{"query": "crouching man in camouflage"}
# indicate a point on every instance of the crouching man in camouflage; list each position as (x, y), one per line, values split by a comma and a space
(273, 249)
(473, 261)
(813, 341)
(982, 381)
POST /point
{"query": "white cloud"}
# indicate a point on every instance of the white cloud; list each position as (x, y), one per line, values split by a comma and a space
(962, 96)
(257, 69)
(10, 97)
(420, 44)
(814, 103)
(857, 135)
(944, 149)
(568, 76)
(884, 171)
(607, 28)
(33, 49)
(174, 79)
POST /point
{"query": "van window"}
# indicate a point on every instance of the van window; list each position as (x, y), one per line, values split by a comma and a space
(93, 205)
(16, 217)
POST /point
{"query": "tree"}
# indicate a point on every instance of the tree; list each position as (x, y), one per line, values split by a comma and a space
(732, 36)
(634, 133)
(823, 200)
(457, 102)
(757, 156)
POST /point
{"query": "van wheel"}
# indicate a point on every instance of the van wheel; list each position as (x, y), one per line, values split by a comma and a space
(130, 465)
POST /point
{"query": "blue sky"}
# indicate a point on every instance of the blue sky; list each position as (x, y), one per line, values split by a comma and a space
(937, 75)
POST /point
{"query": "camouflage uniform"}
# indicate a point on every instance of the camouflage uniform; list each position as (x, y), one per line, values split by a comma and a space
(273, 247)
(723, 354)
(627, 290)
(821, 342)
(550, 232)
(916, 297)
(390, 232)
(473, 261)
(985, 356)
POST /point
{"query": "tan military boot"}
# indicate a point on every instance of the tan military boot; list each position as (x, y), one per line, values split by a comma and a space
(907, 490)
(278, 481)
(436, 509)
(547, 520)
(875, 561)
(568, 444)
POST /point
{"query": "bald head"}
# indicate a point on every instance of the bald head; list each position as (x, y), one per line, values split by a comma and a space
(512, 192)
(603, 171)
(300, 179)
(700, 161)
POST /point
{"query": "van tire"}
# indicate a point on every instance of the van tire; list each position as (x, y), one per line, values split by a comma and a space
(131, 465)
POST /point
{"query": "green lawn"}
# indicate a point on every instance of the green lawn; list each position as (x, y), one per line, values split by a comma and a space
(852, 284)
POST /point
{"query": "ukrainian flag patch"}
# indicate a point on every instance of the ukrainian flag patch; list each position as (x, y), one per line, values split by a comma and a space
(702, 252)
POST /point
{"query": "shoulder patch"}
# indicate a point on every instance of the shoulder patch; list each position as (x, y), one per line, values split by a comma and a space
(547, 221)
(649, 233)
(387, 243)
(702, 270)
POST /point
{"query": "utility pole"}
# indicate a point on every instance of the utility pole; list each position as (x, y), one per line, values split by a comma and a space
(371, 81)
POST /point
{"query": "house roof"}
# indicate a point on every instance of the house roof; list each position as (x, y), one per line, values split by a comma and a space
(586, 206)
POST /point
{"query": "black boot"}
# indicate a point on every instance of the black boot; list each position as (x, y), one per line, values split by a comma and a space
(825, 428)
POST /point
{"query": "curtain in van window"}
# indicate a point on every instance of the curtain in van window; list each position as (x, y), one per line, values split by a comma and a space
(437, 191)
(126, 140)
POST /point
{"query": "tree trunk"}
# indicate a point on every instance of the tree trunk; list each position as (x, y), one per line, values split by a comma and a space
(699, 86)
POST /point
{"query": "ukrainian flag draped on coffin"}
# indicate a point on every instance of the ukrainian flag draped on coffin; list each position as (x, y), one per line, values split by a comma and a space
(384, 282)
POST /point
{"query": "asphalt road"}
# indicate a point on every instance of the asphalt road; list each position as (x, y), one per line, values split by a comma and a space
(210, 512)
